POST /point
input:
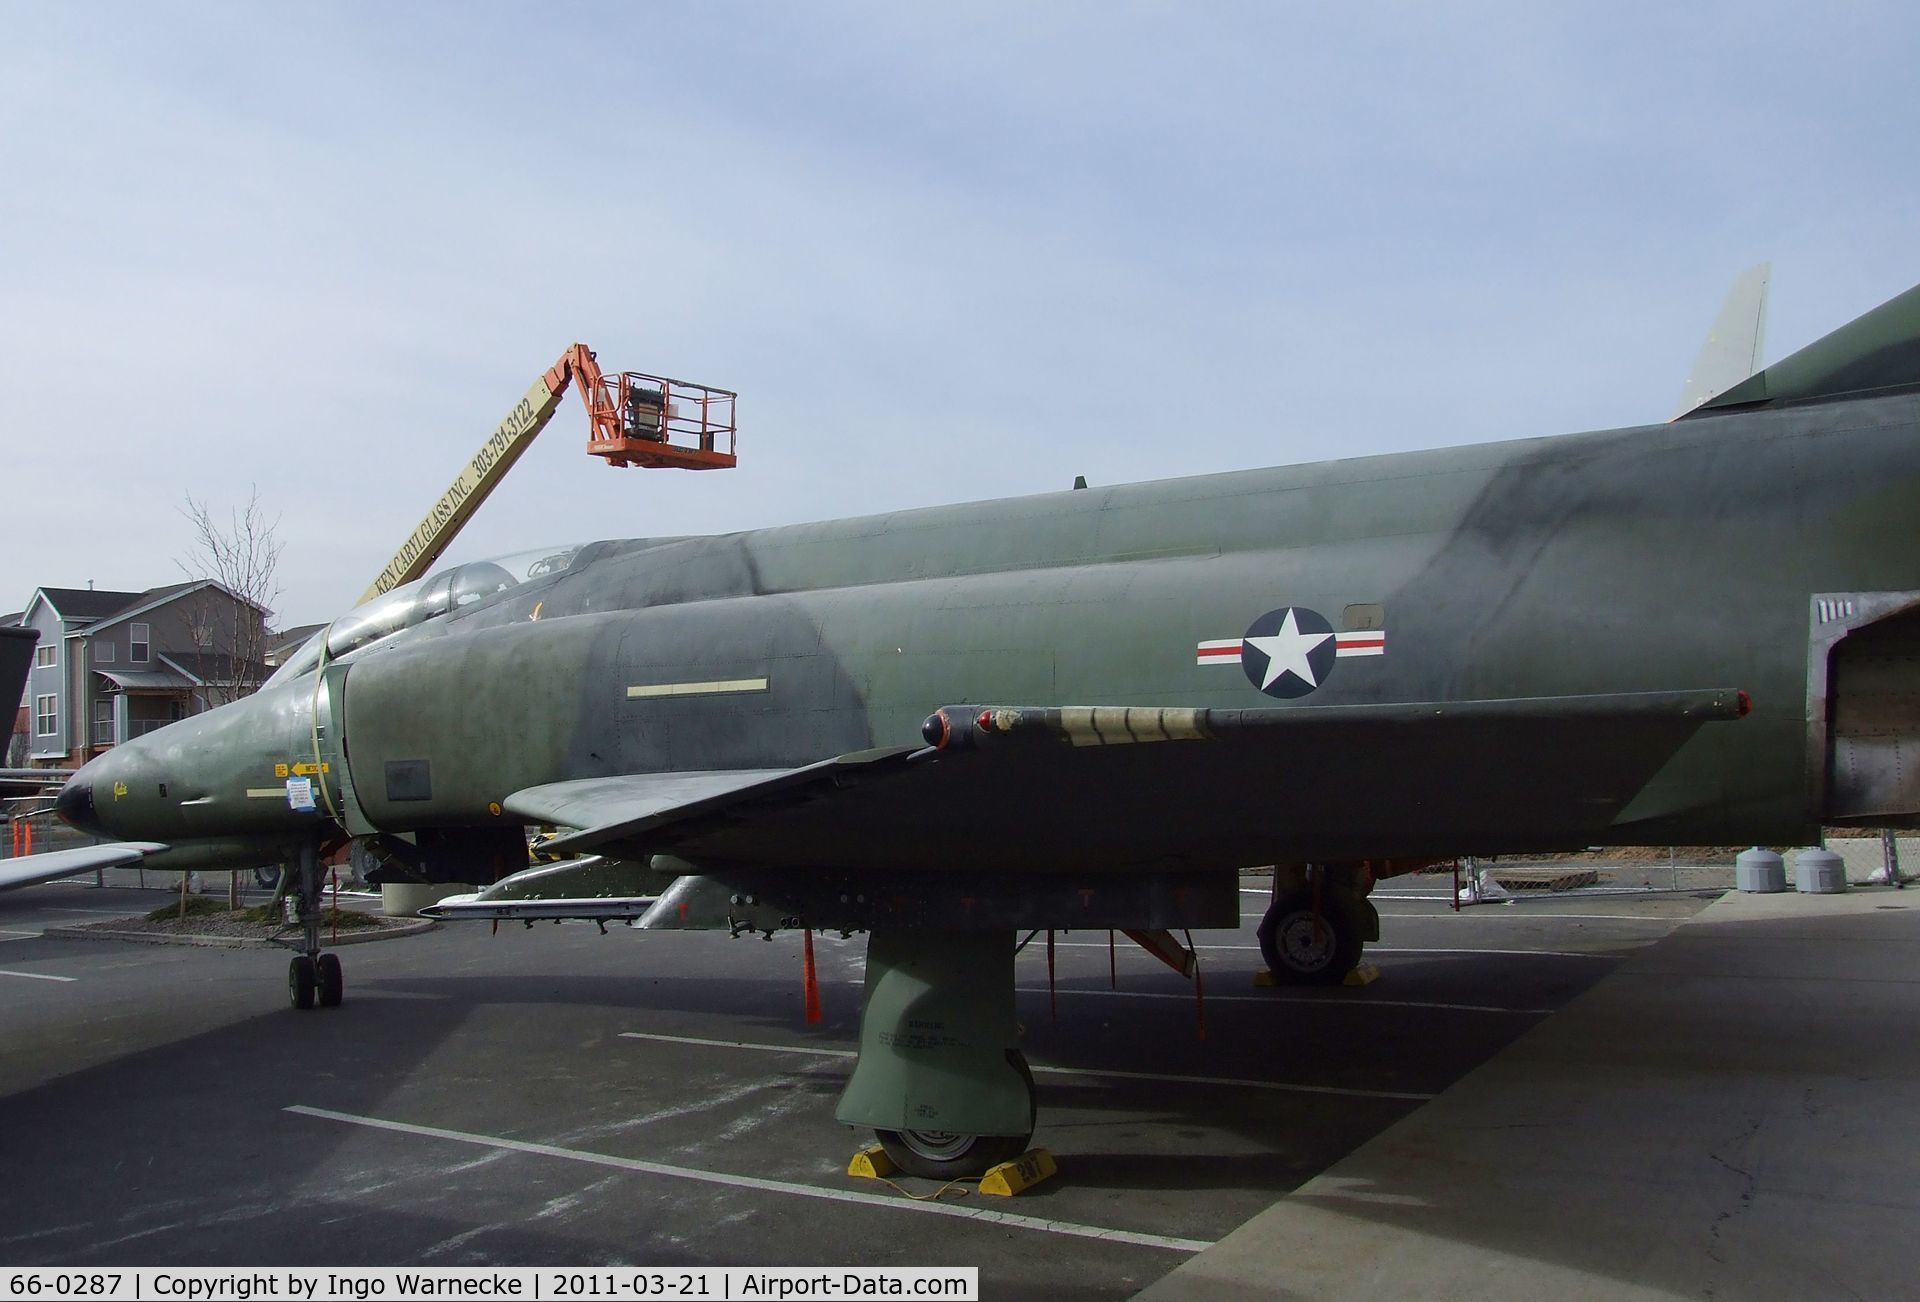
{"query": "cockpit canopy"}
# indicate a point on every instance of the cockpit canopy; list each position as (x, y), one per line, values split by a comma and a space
(439, 593)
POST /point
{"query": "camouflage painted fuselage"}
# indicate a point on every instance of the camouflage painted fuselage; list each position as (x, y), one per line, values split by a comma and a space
(1650, 559)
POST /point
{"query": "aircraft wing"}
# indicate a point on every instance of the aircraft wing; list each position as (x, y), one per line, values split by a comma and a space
(27, 781)
(1062, 788)
(626, 807)
(32, 869)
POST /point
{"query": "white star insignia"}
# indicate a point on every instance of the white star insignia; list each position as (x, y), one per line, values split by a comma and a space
(1286, 652)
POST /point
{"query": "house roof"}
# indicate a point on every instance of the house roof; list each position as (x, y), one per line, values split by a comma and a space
(290, 640)
(153, 597)
(97, 608)
(215, 667)
(147, 680)
(86, 603)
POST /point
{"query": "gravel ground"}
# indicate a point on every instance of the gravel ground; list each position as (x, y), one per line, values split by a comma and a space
(239, 926)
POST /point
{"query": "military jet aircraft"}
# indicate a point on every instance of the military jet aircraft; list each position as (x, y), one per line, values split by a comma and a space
(1092, 709)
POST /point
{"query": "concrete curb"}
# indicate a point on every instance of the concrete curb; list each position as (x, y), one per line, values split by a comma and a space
(233, 942)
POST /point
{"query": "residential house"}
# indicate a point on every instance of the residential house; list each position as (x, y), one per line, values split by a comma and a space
(114, 665)
(281, 646)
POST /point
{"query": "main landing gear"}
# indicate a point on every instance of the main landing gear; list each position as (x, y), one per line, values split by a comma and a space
(940, 1077)
(313, 978)
(949, 1155)
(1318, 923)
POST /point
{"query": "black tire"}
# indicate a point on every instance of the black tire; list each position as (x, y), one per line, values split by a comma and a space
(302, 984)
(1307, 949)
(944, 1155)
(267, 878)
(333, 986)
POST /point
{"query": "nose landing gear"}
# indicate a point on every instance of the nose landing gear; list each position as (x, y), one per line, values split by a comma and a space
(313, 978)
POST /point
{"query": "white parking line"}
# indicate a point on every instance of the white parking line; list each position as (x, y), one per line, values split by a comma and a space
(1485, 911)
(1528, 899)
(37, 976)
(816, 1051)
(1526, 953)
(1277, 998)
(1283, 1087)
(1531, 915)
(1382, 949)
(892, 1203)
(1038, 1070)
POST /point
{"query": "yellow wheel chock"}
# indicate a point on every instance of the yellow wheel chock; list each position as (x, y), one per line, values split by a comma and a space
(1002, 1181)
(1019, 1175)
(871, 1164)
(1363, 974)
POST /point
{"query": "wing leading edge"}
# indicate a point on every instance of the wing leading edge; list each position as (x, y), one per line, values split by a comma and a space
(33, 869)
(624, 808)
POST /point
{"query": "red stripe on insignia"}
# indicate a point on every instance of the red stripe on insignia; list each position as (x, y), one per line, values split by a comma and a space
(1370, 643)
(1219, 652)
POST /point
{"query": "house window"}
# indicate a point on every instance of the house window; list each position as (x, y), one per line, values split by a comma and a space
(138, 655)
(43, 657)
(103, 653)
(46, 716)
(103, 722)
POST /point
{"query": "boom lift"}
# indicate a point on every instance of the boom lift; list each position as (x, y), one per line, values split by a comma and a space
(635, 420)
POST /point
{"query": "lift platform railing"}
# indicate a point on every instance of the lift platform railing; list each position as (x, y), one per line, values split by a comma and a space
(655, 420)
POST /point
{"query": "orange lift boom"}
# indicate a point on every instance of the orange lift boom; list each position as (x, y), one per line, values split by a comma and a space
(635, 419)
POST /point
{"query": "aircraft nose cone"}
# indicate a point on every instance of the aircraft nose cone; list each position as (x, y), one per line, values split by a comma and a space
(74, 804)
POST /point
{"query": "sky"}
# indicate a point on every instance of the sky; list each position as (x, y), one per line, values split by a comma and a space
(943, 253)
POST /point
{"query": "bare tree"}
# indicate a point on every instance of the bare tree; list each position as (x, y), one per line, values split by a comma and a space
(243, 555)
(231, 636)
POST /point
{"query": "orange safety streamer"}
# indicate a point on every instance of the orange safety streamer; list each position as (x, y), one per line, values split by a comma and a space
(810, 981)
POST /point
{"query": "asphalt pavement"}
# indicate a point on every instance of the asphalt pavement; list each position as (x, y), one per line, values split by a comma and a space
(555, 1096)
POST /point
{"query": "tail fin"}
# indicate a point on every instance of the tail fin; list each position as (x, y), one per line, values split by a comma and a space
(1731, 352)
(1872, 353)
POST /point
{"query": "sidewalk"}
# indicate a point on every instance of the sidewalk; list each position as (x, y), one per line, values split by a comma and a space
(1729, 1114)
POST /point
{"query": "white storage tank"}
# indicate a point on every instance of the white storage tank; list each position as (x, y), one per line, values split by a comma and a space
(1819, 871)
(1759, 871)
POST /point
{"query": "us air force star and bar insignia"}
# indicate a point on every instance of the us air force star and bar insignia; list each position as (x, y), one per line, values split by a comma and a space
(1289, 652)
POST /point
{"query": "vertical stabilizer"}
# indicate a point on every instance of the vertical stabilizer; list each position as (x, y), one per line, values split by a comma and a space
(1731, 352)
(1876, 352)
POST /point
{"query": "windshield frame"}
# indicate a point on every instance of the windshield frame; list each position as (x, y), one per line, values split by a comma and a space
(433, 596)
